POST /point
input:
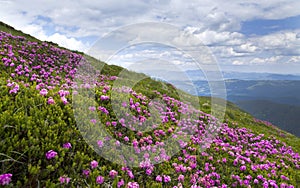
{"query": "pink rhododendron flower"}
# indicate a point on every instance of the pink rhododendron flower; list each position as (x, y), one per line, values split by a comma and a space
(43, 92)
(133, 185)
(167, 178)
(94, 164)
(67, 145)
(100, 143)
(50, 100)
(120, 183)
(100, 180)
(64, 179)
(158, 178)
(86, 173)
(113, 173)
(5, 179)
(64, 100)
(51, 154)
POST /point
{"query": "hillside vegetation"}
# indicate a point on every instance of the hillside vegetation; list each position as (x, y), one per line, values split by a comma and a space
(47, 94)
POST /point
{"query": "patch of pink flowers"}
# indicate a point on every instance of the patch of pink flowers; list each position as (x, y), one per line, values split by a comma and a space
(51, 154)
(100, 179)
(67, 145)
(133, 185)
(113, 173)
(94, 164)
(5, 179)
(64, 179)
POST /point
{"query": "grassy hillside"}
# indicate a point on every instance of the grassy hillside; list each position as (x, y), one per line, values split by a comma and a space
(9, 29)
(46, 99)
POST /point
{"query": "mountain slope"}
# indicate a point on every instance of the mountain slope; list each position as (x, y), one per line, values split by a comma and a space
(286, 116)
(46, 100)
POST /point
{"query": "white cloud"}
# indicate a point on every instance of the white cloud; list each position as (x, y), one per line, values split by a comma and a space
(281, 43)
(214, 23)
(267, 60)
(70, 43)
(280, 39)
(95, 17)
(247, 48)
(237, 62)
(62, 40)
(294, 60)
(210, 37)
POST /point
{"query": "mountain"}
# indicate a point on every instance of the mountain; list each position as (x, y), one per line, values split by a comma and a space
(280, 91)
(284, 116)
(231, 75)
(69, 120)
(276, 101)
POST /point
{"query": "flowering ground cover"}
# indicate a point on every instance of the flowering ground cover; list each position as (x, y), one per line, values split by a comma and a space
(43, 137)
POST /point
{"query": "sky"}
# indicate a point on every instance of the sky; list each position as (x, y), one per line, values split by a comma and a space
(243, 35)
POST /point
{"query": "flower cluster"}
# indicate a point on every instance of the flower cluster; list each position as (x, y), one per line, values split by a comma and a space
(5, 179)
(51, 154)
(30, 62)
(64, 179)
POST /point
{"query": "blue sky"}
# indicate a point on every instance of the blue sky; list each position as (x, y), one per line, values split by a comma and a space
(269, 26)
(242, 35)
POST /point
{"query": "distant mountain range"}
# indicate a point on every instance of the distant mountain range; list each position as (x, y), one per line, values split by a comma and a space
(267, 96)
(283, 115)
(199, 75)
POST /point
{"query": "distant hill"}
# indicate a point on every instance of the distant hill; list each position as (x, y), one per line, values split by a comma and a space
(229, 75)
(285, 116)
(280, 91)
(277, 101)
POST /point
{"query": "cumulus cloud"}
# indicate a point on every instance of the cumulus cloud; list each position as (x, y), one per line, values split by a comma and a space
(284, 42)
(247, 47)
(92, 17)
(237, 62)
(216, 24)
(210, 37)
(70, 43)
(62, 40)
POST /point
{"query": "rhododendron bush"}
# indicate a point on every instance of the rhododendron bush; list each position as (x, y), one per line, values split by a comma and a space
(43, 145)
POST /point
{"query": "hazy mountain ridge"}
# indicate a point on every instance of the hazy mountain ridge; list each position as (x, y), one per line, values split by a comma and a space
(284, 116)
(247, 94)
(229, 75)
